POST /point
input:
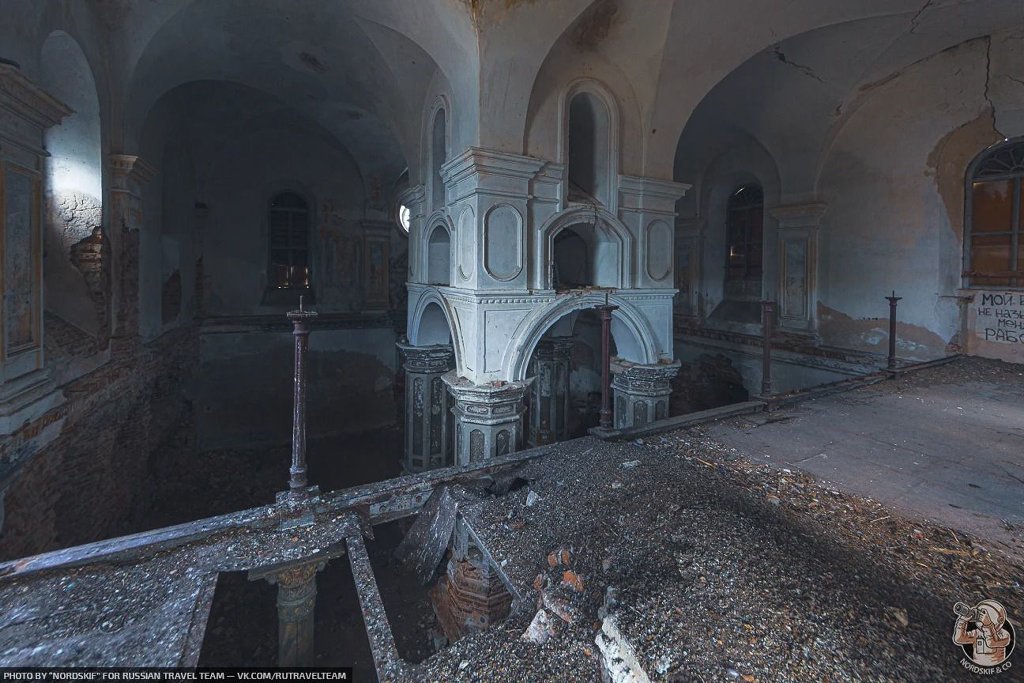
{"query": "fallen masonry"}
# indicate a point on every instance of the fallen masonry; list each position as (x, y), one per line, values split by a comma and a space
(680, 568)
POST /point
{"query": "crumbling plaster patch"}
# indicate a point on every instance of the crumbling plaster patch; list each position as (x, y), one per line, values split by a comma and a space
(872, 334)
(949, 159)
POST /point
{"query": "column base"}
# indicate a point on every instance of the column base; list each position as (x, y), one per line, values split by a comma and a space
(488, 418)
(641, 392)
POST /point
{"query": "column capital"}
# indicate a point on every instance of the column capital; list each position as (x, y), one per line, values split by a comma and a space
(491, 403)
(427, 359)
(554, 348)
(124, 167)
(644, 380)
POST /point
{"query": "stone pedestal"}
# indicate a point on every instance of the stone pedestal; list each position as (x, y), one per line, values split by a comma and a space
(641, 392)
(549, 398)
(428, 418)
(488, 418)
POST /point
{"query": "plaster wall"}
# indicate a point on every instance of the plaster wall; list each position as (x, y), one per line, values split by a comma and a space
(893, 181)
(238, 185)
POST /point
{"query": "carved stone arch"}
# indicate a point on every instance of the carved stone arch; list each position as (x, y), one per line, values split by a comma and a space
(605, 224)
(634, 337)
(421, 336)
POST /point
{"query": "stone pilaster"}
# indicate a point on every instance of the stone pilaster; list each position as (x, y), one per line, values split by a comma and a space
(488, 418)
(428, 424)
(26, 112)
(128, 174)
(640, 392)
(549, 397)
(798, 265)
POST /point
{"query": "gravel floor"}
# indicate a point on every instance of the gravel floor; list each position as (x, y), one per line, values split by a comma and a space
(722, 570)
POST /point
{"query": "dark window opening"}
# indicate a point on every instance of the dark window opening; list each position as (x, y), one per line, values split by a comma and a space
(289, 242)
(744, 242)
(994, 255)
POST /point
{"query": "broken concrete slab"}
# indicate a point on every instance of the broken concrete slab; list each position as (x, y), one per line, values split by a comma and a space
(424, 546)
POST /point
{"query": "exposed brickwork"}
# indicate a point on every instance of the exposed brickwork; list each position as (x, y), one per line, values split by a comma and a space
(468, 598)
(89, 481)
(63, 339)
(92, 257)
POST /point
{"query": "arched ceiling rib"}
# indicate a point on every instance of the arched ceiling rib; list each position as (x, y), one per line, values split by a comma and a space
(793, 95)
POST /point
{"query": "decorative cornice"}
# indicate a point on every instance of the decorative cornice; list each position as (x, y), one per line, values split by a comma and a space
(799, 215)
(27, 100)
(652, 188)
(412, 197)
(131, 166)
(476, 160)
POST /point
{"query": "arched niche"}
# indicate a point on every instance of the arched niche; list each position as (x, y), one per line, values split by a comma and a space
(586, 248)
(438, 155)
(432, 327)
(439, 256)
(590, 148)
(75, 279)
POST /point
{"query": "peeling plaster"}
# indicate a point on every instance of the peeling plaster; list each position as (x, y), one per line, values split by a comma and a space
(948, 163)
(872, 334)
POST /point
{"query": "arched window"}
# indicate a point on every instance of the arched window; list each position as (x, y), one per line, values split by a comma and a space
(994, 252)
(744, 241)
(289, 242)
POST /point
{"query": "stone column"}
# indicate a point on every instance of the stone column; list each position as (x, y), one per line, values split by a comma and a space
(641, 392)
(549, 399)
(296, 603)
(428, 439)
(127, 176)
(488, 418)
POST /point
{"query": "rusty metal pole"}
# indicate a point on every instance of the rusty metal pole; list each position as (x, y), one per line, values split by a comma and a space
(605, 310)
(297, 482)
(892, 328)
(767, 322)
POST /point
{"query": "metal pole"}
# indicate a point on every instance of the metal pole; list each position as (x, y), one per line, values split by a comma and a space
(297, 482)
(606, 328)
(767, 321)
(892, 328)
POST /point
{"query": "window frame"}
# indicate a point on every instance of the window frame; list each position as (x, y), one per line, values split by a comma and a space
(1009, 155)
(272, 284)
(730, 210)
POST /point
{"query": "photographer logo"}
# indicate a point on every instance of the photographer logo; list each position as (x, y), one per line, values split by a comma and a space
(985, 635)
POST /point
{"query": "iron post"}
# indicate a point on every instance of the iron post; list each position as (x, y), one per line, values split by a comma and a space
(892, 328)
(767, 323)
(605, 310)
(297, 481)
